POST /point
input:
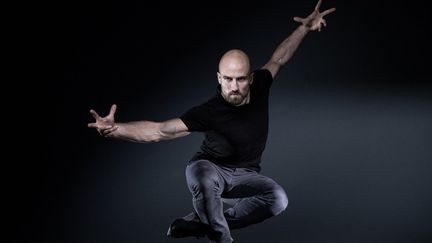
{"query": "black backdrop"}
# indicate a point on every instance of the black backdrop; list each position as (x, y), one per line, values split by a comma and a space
(350, 120)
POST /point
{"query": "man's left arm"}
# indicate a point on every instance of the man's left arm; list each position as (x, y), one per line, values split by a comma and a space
(286, 49)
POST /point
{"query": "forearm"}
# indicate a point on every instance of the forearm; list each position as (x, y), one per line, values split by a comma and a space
(138, 131)
(286, 49)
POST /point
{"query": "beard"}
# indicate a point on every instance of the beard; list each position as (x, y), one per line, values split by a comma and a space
(235, 98)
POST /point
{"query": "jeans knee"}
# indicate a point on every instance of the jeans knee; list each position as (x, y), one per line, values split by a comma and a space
(279, 202)
(204, 185)
(202, 178)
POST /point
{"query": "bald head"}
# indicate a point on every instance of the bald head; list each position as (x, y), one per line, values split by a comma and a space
(234, 61)
(234, 77)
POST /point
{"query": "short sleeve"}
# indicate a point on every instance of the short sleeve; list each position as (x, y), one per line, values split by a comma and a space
(263, 78)
(262, 82)
(196, 119)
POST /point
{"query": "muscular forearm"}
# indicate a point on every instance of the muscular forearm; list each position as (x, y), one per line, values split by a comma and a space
(286, 49)
(138, 131)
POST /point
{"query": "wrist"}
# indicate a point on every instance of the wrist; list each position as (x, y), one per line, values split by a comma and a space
(304, 28)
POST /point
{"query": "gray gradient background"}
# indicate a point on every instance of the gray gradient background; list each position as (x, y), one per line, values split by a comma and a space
(350, 121)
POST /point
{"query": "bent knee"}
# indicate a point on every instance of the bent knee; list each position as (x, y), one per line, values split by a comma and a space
(279, 202)
(202, 177)
(204, 183)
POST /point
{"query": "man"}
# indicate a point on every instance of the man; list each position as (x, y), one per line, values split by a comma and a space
(235, 123)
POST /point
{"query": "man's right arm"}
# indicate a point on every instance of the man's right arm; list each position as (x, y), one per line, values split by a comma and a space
(138, 131)
(149, 131)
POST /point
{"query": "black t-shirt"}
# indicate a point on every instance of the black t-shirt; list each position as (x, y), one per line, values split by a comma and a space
(235, 136)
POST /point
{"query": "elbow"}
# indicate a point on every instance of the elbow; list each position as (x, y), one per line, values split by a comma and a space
(154, 139)
(157, 137)
(283, 60)
(148, 139)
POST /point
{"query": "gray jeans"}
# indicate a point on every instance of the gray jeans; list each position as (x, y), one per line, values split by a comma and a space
(253, 197)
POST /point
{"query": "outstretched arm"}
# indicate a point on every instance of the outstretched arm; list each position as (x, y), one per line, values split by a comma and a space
(138, 131)
(286, 49)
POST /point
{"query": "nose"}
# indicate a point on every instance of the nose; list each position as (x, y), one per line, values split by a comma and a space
(234, 86)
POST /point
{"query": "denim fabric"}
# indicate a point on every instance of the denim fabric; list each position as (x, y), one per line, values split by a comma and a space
(252, 197)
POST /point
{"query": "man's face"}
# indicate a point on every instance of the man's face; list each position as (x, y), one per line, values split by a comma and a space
(235, 85)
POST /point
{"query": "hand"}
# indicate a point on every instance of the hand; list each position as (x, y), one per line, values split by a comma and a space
(315, 20)
(104, 125)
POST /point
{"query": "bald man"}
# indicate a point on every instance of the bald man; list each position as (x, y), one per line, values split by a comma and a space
(226, 169)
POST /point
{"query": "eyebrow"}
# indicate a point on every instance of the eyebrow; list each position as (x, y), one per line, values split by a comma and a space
(238, 78)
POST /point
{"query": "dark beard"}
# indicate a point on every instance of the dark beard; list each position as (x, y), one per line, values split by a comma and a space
(235, 100)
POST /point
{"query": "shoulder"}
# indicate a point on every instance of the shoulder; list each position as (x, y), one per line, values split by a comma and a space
(263, 73)
(197, 118)
(262, 78)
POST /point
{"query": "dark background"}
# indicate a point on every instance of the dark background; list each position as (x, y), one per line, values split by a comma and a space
(350, 120)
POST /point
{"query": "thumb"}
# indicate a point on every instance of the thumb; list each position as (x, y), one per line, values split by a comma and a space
(92, 125)
(113, 110)
(298, 19)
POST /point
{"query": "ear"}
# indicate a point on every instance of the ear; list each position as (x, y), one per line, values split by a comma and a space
(251, 78)
(219, 77)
